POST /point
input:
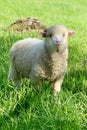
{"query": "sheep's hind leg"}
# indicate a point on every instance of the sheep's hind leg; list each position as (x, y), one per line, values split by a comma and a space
(13, 76)
(17, 82)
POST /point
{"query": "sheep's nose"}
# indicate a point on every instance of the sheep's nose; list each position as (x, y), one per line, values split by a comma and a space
(58, 41)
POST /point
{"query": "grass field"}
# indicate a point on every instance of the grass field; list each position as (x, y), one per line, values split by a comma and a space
(33, 109)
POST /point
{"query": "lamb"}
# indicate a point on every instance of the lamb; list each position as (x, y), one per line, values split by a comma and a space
(41, 60)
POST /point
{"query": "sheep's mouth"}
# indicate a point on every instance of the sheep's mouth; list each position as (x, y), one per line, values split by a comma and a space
(58, 46)
(58, 43)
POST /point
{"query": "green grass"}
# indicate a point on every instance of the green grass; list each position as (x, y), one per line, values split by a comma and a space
(33, 109)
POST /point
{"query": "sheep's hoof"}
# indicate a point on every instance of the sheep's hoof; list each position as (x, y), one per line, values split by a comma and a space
(57, 96)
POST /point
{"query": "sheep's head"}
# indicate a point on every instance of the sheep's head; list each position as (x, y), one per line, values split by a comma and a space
(57, 36)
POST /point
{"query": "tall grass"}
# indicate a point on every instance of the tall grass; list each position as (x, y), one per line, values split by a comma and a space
(33, 109)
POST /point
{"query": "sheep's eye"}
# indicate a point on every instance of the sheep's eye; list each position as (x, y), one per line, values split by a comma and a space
(50, 35)
(63, 35)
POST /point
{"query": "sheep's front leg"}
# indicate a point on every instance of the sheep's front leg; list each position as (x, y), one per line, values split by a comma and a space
(57, 87)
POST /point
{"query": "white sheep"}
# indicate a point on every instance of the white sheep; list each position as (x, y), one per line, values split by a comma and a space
(41, 60)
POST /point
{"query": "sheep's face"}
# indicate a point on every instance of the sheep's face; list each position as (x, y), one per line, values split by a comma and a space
(57, 36)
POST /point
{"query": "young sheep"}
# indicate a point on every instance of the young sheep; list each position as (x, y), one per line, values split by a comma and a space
(41, 60)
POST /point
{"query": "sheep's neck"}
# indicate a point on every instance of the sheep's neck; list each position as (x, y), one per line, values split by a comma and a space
(47, 61)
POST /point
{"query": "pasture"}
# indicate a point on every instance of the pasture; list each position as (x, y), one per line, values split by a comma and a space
(31, 108)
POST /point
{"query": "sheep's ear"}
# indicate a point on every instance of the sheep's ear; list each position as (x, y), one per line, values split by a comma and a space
(71, 33)
(43, 33)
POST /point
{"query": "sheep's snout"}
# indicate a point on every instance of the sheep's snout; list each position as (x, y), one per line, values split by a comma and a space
(58, 40)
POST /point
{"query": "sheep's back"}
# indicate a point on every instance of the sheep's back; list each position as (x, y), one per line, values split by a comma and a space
(23, 53)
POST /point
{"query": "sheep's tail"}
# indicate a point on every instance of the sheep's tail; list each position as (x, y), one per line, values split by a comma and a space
(11, 69)
(9, 74)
